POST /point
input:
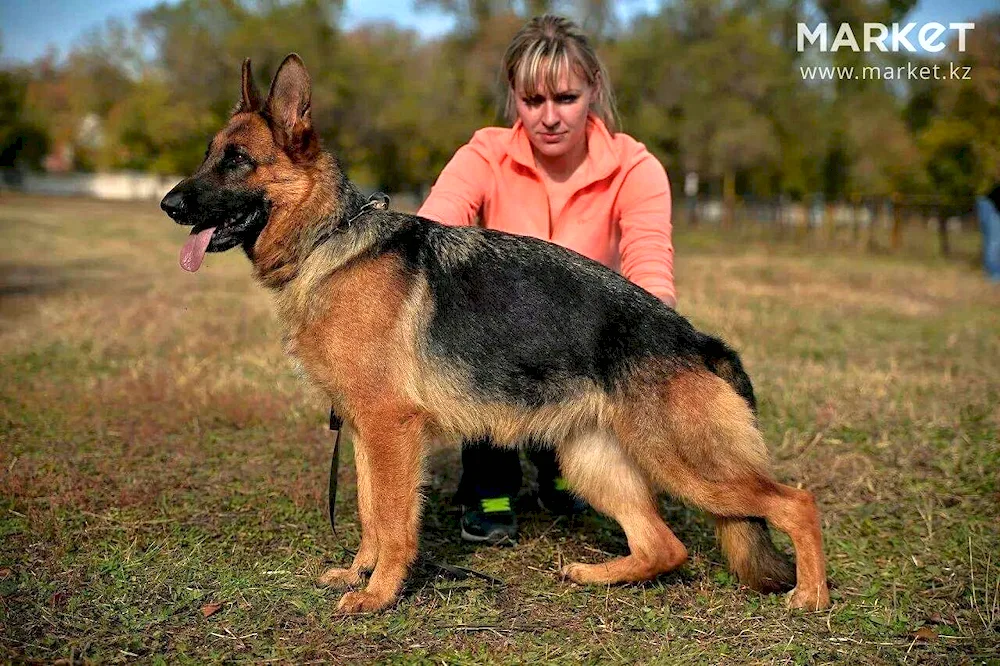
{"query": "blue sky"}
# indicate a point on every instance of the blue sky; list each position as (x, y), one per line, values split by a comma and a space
(28, 28)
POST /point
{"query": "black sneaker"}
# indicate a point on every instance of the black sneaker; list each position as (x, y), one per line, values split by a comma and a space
(556, 497)
(492, 521)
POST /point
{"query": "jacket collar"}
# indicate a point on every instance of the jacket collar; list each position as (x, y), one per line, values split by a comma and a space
(604, 153)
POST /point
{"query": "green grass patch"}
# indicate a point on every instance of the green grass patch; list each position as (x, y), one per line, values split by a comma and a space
(158, 455)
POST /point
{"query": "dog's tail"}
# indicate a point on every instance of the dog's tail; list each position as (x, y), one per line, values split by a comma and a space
(746, 542)
(752, 556)
(725, 363)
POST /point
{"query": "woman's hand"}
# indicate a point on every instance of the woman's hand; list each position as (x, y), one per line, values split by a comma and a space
(669, 299)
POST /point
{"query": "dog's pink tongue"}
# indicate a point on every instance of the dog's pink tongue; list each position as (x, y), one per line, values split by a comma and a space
(193, 252)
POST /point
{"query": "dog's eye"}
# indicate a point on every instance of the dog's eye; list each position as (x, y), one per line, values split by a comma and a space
(238, 160)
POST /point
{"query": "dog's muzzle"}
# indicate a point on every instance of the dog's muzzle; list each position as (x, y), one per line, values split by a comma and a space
(173, 204)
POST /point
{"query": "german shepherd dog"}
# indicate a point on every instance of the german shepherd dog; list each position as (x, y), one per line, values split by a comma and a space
(419, 331)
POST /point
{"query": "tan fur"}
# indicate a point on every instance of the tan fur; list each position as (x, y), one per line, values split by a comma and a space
(683, 431)
(285, 242)
(707, 424)
(349, 339)
(697, 438)
(367, 555)
(358, 325)
(354, 347)
(599, 471)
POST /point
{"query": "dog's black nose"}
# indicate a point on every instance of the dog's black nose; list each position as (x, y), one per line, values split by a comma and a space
(173, 204)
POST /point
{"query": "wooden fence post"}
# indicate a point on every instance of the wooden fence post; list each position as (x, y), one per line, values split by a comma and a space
(896, 237)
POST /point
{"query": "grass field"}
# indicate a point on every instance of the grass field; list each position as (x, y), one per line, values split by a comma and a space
(159, 457)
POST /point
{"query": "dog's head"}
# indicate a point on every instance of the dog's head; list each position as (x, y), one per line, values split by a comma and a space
(259, 162)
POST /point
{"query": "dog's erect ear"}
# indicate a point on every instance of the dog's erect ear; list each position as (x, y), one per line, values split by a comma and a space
(249, 94)
(289, 104)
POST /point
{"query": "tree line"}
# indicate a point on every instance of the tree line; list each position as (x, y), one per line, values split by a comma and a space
(712, 87)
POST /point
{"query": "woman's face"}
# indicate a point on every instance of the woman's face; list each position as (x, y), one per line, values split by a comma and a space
(556, 120)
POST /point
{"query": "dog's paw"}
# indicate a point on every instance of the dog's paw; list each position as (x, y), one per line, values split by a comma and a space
(363, 601)
(813, 599)
(585, 574)
(338, 578)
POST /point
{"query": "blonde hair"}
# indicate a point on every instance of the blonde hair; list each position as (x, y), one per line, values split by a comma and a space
(545, 49)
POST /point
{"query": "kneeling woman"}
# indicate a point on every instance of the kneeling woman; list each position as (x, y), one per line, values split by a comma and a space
(561, 173)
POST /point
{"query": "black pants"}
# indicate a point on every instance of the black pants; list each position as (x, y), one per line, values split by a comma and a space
(492, 471)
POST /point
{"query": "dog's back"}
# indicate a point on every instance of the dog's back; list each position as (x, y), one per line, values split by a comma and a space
(529, 317)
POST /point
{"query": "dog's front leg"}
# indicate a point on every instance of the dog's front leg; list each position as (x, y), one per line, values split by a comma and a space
(367, 555)
(392, 445)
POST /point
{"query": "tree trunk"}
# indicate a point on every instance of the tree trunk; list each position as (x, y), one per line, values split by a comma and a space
(943, 234)
(729, 197)
(896, 238)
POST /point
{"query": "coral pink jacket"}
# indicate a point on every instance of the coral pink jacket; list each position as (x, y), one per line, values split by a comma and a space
(619, 216)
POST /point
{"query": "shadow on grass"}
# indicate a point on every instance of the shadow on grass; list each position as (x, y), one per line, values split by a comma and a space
(23, 286)
(588, 537)
(26, 279)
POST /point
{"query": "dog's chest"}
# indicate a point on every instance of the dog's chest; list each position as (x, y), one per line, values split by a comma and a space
(343, 334)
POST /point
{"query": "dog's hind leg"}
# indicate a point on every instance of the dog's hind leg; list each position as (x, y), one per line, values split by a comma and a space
(698, 439)
(600, 472)
(791, 510)
(392, 446)
(367, 555)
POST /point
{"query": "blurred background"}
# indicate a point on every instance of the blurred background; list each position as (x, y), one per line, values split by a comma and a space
(116, 100)
(164, 470)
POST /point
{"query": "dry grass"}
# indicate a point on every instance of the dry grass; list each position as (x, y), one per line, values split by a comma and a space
(158, 455)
